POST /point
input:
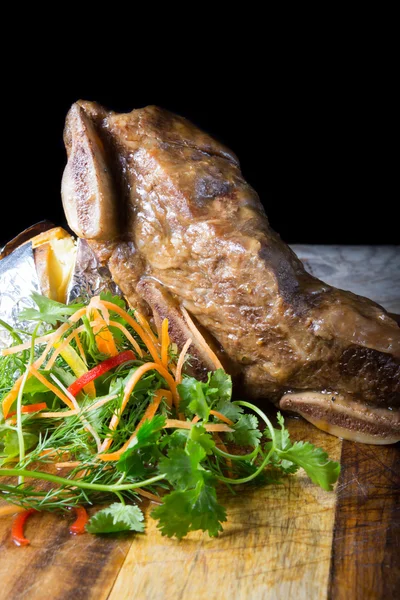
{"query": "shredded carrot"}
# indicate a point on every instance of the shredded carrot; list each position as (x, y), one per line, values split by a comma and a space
(59, 349)
(57, 415)
(11, 509)
(187, 425)
(164, 343)
(103, 336)
(80, 347)
(148, 495)
(85, 422)
(200, 339)
(138, 328)
(97, 303)
(149, 414)
(13, 393)
(51, 387)
(128, 336)
(220, 444)
(135, 377)
(221, 417)
(73, 413)
(146, 326)
(72, 464)
(26, 345)
(181, 360)
(195, 419)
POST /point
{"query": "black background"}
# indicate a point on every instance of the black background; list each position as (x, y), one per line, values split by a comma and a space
(316, 140)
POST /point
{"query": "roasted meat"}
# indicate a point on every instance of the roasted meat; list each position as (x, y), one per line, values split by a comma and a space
(166, 208)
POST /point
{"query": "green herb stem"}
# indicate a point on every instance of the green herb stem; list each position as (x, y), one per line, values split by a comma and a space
(237, 456)
(62, 481)
(20, 433)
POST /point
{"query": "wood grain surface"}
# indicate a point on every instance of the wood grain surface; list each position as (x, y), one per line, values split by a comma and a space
(366, 546)
(285, 541)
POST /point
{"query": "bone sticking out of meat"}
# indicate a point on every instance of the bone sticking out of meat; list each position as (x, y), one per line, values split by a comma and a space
(166, 208)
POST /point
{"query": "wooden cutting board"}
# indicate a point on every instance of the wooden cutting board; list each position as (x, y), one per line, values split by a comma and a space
(286, 541)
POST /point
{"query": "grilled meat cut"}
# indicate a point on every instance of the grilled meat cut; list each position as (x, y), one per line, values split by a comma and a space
(166, 208)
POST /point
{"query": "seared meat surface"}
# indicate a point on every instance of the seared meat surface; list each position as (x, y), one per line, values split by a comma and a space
(166, 207)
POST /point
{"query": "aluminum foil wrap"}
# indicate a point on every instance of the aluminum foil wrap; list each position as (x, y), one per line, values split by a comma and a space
(18, 279)
(89, 277)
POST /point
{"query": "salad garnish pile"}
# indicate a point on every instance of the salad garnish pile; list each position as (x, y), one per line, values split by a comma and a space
(96, 412)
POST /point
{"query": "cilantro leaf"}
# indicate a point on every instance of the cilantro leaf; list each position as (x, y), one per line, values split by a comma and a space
(232, 411)
(199, 434)
(116, 517)
(314, 461)
(246, 432)
(11, 445)
(190, 510)
(181, 467)
(143, 453)
(49, 311)
(192, 397)
(221, 385)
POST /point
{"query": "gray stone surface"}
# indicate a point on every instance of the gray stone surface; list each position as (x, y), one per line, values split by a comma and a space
(372, 271)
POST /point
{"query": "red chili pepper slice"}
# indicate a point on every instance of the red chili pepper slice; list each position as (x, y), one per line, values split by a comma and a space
(82, 518)
(99, 370)
(17, 531)
(29, 408)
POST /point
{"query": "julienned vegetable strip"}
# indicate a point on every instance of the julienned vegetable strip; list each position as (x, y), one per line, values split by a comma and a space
(51, 387)
(78, 526)
(104, 339)
(135, 377)
(29, 408)
(164, 343)
(200, 339)
(17, 531)
(13, 393)
(138, 328)
(128, 336)
(181, 360)
(148, 415)
(100, 369)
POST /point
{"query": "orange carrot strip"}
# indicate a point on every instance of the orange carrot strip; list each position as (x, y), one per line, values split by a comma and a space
(51, 387)
(221, 417)
(200, 339)
(195, 419)
(135, 377)
(164, 343)
(13, 393)
(103, 336)
(72, 464)
(181, 360)
(146, 326)
(187, 425)
(26, 345)
(138, 328)
(128, 336)
(220, 444)
(80, 347)
(10, 509)
(73, 413)
(62, 346)
(149, 414)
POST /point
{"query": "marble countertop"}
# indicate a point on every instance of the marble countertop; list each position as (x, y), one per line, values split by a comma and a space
(372, 271)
